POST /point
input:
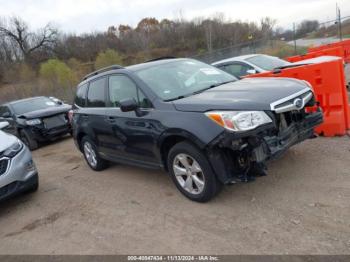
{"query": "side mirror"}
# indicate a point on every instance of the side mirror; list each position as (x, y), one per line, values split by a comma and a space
(127, 105)
(4, 125)
(251, 71)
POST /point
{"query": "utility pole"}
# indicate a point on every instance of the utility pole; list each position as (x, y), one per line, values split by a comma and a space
(294, 38)
(338, 21)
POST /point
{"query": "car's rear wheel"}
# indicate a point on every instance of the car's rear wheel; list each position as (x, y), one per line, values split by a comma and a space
(91, 155)
(30, 142)
(192, 173)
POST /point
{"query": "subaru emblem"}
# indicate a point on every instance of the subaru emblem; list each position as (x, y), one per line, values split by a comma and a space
(298, 103)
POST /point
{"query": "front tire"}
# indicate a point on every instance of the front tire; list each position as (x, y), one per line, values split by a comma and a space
(191, 172)
(91, 155)
(30, 142)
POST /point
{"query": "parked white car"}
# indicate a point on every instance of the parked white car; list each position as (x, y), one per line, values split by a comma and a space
(240, 66)
(18, 173)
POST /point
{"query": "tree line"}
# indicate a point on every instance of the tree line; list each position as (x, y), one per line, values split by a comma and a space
(27, 53)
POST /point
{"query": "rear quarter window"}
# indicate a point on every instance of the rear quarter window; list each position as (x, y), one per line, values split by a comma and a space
(80, 97)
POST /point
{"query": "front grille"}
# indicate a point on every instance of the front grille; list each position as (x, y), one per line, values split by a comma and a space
(3, 165)
(297, 102)
(55, 121)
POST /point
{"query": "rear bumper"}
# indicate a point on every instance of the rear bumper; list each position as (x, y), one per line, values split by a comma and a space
(257, 146)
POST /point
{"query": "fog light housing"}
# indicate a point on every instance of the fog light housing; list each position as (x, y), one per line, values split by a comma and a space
(30, 166)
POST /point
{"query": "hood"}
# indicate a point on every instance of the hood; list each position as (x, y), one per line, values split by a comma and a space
(50, 111)
(247, 94)
(310, 61)
(317, 60)
(6, 140)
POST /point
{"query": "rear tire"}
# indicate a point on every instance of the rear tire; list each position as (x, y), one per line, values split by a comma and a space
(91, 156)
(30, 142)
(191, 172)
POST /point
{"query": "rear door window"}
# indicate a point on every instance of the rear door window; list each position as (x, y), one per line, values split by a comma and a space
(97, 93)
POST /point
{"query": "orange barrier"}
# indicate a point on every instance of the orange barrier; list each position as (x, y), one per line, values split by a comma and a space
(334, 51)
(345, 44)
(327, 79)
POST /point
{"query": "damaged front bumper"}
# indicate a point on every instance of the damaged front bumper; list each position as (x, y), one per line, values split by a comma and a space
(233, 155)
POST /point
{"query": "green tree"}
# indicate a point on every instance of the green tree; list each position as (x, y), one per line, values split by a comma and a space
(57, 74)
(107, 58)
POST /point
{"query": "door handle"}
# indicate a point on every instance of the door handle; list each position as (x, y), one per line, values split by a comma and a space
(110, 119)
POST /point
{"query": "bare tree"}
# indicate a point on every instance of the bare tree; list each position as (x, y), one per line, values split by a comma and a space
(24, 41)
(307, 26)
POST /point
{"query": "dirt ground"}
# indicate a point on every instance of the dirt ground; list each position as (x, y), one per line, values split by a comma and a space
(301, 207)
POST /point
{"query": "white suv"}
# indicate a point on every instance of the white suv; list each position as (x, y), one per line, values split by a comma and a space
(18, 173)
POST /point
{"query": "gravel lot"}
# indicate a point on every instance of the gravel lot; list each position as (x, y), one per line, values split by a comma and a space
(302, 207)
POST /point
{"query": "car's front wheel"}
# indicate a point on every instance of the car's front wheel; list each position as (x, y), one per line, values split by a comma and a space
(30, 142)
(192, 173)
(91, 155)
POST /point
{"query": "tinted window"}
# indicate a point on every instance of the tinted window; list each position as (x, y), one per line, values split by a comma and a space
(121, 87)
(81, 96)
(96, 93)
(182, 78)
(238, 70)
(33, 104)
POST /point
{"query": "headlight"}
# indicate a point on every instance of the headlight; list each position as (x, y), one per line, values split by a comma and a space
(33, 122)
(239, 120)
(13, 149)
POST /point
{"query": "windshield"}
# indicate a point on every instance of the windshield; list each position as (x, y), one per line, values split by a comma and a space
(182, 78)
(22, 107)
(267, 62)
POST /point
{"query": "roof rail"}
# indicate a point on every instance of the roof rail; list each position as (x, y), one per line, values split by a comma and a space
(160, 58)
(102, 70)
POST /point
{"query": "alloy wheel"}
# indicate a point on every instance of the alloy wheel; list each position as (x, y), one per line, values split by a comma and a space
(90, 154)
(189, 174)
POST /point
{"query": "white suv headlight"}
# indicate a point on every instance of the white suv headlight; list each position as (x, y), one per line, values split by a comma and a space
(239, 120)
(33, 122)
(13, 149)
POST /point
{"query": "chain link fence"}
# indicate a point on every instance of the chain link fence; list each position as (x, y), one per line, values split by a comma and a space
(252, 47)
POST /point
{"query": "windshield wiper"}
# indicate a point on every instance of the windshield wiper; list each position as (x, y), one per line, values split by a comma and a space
(199, 91)
(212, 86)
(175, 98)
(222, 83)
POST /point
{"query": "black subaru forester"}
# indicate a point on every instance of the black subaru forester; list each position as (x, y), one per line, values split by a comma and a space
(199, 123)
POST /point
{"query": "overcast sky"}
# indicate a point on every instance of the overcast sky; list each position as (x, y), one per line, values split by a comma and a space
(80, 16)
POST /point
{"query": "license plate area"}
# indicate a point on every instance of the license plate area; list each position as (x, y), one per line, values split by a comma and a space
(55, 121)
